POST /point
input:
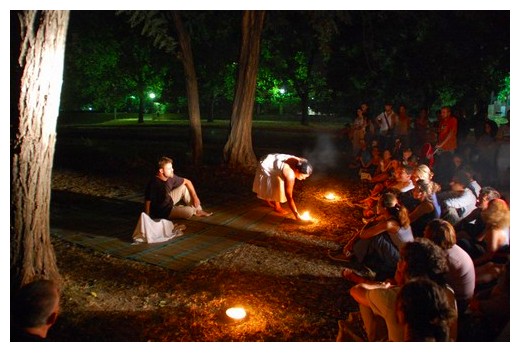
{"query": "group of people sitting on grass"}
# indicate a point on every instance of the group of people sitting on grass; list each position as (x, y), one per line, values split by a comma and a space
(431, 262)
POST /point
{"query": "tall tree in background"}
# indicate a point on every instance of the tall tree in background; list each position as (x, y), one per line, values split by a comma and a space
(192, 88)
(238, 151)
(40, 65)
(158, 25)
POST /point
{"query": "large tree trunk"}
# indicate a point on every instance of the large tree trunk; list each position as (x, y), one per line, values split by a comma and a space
(42, 51)
(192, 89)
(238, 151)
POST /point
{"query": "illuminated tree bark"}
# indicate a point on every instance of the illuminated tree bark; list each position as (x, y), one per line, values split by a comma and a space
(238, 151)
(40, 62)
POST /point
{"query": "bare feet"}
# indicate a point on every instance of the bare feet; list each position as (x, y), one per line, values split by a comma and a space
(203, 213)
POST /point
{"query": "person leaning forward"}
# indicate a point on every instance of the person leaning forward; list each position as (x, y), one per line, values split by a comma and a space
(168, 196)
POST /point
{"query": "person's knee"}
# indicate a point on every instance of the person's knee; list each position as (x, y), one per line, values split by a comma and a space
(182, 212)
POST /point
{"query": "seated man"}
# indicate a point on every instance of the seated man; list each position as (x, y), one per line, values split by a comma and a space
(34, 310)
(459, 202)
(166, 190)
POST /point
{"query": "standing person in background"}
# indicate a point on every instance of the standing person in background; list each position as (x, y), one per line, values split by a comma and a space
(421, 131)
(372, 130)
(386, 121)
(447, 143)
(402, 128)
(358, 131)
(503, 153)
(275, 177)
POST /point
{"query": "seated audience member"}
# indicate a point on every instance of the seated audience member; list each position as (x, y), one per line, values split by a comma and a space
(34, 309)
(425, 211)
(374, 160)
(472, 226)
(363, 157)
(408, 158)
(495, 240)
(425, 311)
(423, 172)
(495, 237)
(488, 314)
(401, 185)
(377, 244)
(473, 185)
(461, 275)
(387, 166)
(377, 301)
(459, 202)
(404, 187)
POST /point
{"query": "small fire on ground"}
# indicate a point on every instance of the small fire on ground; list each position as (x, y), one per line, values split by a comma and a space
(306, 216)
(330, 196)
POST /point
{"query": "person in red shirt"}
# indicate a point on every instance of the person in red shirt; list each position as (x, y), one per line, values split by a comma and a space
(447, 144)
(447, 139)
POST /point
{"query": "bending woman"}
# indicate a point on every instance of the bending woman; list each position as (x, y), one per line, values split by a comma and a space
(275, 177)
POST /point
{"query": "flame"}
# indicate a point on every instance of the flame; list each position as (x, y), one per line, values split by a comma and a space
(330, 196)
(306, 216)
(236, 313)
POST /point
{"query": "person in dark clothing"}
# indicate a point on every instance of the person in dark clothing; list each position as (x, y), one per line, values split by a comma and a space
(34, 310)
(165, 191)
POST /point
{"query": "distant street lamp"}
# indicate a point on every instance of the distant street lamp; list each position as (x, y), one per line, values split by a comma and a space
(151, 95)
(282, 92)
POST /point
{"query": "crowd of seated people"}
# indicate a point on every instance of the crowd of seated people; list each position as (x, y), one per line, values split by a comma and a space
(462, 212)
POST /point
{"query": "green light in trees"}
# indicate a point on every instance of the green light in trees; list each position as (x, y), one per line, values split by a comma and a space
(151, 95)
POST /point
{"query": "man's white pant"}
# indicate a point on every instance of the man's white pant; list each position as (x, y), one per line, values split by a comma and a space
(185, 211)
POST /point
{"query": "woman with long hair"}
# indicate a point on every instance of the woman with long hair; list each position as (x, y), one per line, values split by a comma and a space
(424, 212)
(275, 177)
(377, 244)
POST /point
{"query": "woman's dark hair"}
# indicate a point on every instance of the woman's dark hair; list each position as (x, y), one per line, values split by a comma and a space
(441, 232)
(426, 310)
(390, 202)
(425, 259)
(304, 167)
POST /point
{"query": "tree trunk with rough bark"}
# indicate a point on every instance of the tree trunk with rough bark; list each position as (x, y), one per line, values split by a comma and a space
(192, 89)
(40, 65)
(238, 151)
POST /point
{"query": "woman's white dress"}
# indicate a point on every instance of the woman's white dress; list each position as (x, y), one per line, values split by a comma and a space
(269, 182)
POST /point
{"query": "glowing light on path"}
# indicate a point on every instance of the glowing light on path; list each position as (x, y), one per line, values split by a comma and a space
(306, 216)
(330, 196)
(236, 313)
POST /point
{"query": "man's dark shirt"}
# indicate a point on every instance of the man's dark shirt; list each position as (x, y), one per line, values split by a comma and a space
(157, 192)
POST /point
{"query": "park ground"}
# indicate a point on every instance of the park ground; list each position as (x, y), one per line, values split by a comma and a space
(286, 282)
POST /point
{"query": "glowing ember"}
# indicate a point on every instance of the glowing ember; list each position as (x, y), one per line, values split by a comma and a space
(306, 216)
(330, 196)
(236, 313)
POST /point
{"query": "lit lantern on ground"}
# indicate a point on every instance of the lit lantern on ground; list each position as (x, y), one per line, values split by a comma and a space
(306, 216)
(236, 313)
(330, 196)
